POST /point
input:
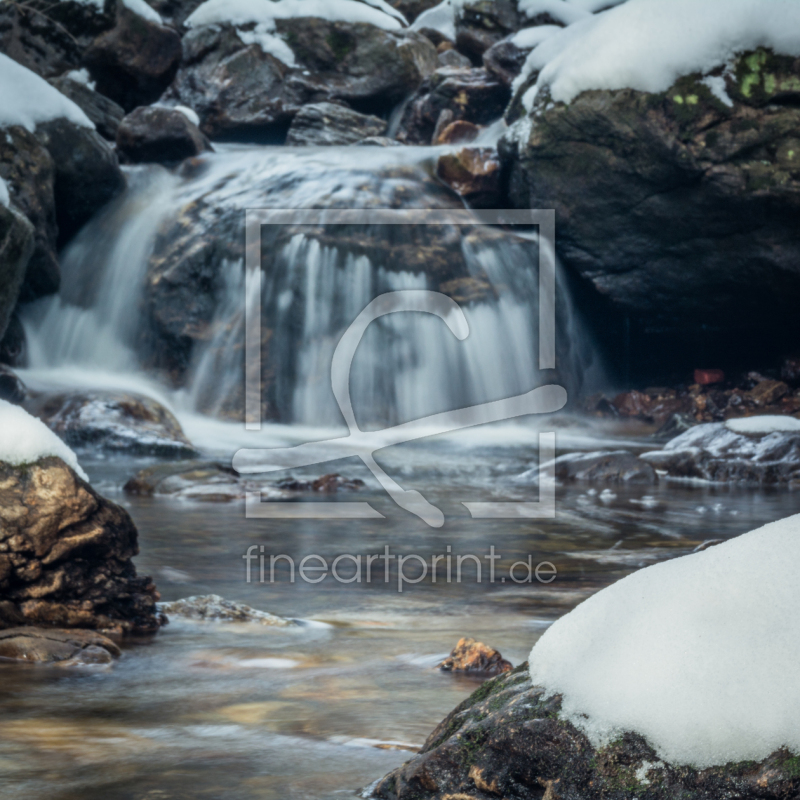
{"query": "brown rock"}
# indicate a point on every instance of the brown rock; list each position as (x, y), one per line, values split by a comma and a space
(458, 132)
(633, 404)
(474, 173)
(767, 392)
(67, 647)
(328, 484)
(475, 657)
(68, 555)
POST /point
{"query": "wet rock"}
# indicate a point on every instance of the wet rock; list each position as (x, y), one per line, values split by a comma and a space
(239, 90)
(379, 141)
(473, 173)
(411, 9)
(213, 608)
(483, 23)
(12, 345)
(65, 647)
(12, 389)
(175, 12)
(87, 173)
(50, 38)
(452, 58)
(617, 466)
(507, 740)
(654, 405)
(332, 124)
(708, 377)
(472, 289)
(104, 113)
(114, 422)
(153, 134)
(504, 60)
(16, 246)
(790, 372)
(475, 657)
(714, 452)
(469, 94)
(66, 555)
(767, 393)
(458, 132)
(27, 168)
(327, 484)
(135, 61)
(674, 426)
(679, 208)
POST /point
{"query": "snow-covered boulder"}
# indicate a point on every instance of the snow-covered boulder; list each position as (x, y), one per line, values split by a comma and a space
(664, 134)
(764, 450)
(105, 114)
(65, 551)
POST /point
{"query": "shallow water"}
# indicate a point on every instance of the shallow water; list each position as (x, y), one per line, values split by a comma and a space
(323, 709)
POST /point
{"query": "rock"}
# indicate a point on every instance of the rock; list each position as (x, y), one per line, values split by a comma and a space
(379, 141)
(239, 90)
(50, 38)
(328, 484)
(673, 427)
(332, 124)
(458, 132)
(16, 246)
(475, 657)
(483, 23)
(708, 377)
(12, 345)
(790, 372)
(65, 555)
(767, 393)
(175, 12)
(12, 389)
(27, 168)
(452, 58)
(87, 173)
(470, 94)
(507, 740)
(713, 452)
(411, 9)
(104, 113)
(213, 608)
(114, 422)
(617, 466)
(65, 647)
(504, 61)
(680, 209)
(473, 173)
(135, 61)
(152, 134)
(656, 406)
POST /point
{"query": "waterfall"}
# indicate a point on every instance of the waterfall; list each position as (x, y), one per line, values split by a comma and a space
(100, 332)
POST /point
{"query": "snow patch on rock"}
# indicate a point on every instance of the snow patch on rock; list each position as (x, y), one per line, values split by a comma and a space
(764, 424)
(5, 198)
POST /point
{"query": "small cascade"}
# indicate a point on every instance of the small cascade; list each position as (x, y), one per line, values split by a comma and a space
(103, 330)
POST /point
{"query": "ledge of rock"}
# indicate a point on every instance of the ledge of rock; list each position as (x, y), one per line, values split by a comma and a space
(213, 608)
(332, 124)
(507, 741)
(65, 555)
(62, 647)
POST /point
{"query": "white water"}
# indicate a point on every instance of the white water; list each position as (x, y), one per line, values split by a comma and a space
(407, 366)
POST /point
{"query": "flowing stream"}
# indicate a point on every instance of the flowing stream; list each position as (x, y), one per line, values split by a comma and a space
(322, 709)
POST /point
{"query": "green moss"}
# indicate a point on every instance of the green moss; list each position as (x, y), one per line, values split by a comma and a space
(791, 766)
(470, 746)
(341, 44)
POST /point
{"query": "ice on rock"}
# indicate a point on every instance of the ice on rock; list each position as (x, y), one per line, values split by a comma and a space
(5, 198)
(698, 654)
(765, 424)
(25, 439)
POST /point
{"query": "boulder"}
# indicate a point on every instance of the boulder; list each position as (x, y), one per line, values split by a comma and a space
(16, 246)
(240, 91)
(332, 124)
(65, 555)
(27, 168)
(680, 207)
(615, 466)
(458, 132)
(114, 422)
(483, 23)
(12, 345)
(87, 173)
(62, 647)
(473, 173)
(411, 9)
(715, 452)
(475, 657)
(509, 740)
(450, 57)
(104, 113)
(504, 60)
(213, 608)
(12, 389)
(175, 12)
(152, 134)
(466, 94)
(135, 61)
(50, 38)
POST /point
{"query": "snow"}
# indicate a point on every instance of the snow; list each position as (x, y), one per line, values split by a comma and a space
(5, 198)
(532, 37)
(81, 76)
(763, 425)
(140, 8)
(268, 42)
(441, 18)
(29, 100)
(189, 113)
(648, 44)
(559, 10)
(265, 12)
(698, 654)
(25, 439)
(716, 83)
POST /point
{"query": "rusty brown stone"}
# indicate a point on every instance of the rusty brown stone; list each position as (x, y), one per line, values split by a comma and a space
(476, 657)
(474, 173)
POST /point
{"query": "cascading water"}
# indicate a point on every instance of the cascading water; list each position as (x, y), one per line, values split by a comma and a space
(115, 325)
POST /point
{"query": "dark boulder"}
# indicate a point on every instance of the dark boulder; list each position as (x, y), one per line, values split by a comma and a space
(175, 12)
(63, 647)
(332, 124)
(450, 57)
(483, 23)
(65, 560)
(504, 60)
(134, 62)
(12, 389)
(411, 9)
(13, 344)
(508, 740)
(16, 246)
(680, 208)
(104, 113)
(153, 134)
(463, 94)
(617, 466)
(240, 91)
(87, 173)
